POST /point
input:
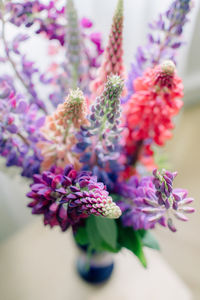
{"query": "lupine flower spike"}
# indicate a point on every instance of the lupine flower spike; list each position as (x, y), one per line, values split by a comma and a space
(99, 142)
(59, 132)
(148, 115)
(73, 44)
(153, 200)
(113, 56)
(66, 197)
(19, 129)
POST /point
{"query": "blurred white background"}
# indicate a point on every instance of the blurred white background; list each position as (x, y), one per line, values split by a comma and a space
(138, 13)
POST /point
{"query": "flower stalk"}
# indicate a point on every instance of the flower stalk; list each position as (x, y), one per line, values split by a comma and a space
(113, 56)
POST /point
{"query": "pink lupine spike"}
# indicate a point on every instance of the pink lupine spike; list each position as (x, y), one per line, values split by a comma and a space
(59, 132)
(113, 56)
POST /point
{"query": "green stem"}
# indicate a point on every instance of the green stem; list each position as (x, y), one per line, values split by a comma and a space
(23, 139)
(67, 130)
(9, 57)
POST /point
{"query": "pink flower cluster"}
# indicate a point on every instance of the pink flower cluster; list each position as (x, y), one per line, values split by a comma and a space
(148, 114)
(59, 132)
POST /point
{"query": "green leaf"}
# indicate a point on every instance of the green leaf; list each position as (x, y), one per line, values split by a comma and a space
(106, 247)
(81, 236)
(115, 197)
(95, 240)
(149, 240)
(107, 229)
(131, 240)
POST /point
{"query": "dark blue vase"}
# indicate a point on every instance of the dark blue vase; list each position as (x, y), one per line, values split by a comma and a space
(95, 269)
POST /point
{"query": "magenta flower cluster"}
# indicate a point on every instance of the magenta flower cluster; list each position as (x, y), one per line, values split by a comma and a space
(66, 197)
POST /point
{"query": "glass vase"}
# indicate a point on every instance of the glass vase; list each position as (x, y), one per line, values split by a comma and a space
(95, 268)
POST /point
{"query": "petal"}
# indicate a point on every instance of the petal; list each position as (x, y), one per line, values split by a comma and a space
(180, 216)
(171, 225)
(187, 209)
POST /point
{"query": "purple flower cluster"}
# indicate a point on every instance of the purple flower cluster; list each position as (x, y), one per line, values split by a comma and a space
(163, 41)
(32, 12)
(25, 71)
(18, 138)
(153, 200)
(66, 197)
(19, 124)
(52, 21)
(29, 13)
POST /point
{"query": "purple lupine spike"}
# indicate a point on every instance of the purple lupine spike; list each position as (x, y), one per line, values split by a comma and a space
(98, 143)
(19, 130)
(150, 201)
(66, 205)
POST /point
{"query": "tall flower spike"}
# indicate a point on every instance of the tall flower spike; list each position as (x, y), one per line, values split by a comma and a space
(149, 112)
(102, 136)
(113, 55)
(66, 197)
(162, 42)
(73, 44)
(73, 111)
(60, 129)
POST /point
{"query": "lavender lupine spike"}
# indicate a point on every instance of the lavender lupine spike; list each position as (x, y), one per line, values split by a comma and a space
(163, 44)
(66, 197)
(105, 118)
(153, 200)
(24, 75)
(103, 131)
(19, 129)
(81, 58)
(73, 45)
(98, 143)
(113, 56)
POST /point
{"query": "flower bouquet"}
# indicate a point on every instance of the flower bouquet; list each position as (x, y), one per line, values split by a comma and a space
(89, 145)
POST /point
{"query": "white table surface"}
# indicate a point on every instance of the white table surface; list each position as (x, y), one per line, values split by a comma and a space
(38, 264)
